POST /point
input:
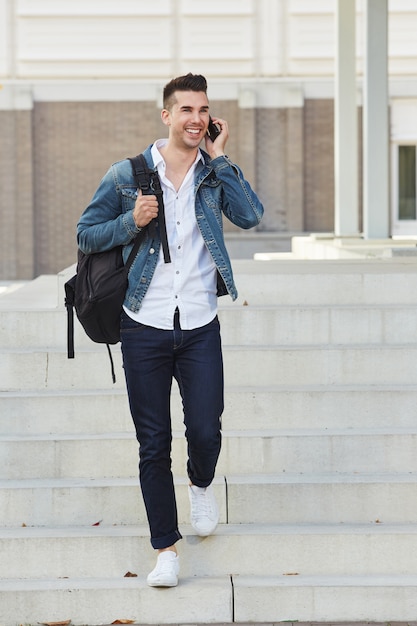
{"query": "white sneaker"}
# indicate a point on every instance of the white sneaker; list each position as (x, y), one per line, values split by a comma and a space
(165, 573)
(204, 511)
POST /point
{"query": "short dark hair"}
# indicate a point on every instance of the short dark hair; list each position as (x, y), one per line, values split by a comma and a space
(189, 82)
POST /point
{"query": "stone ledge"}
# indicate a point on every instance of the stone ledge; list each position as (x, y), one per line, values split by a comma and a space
(329, 246)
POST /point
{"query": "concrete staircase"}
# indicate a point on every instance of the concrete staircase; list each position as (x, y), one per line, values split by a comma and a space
(317, 481)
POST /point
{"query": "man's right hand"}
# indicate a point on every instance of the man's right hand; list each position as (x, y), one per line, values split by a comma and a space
(146, 209)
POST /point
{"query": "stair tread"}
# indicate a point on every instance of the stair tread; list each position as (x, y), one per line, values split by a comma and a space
(71, 531)
(267, 433)
(276, 388)
(290, 580)
(16, 584)
(300, 580)
(98, 348)
(249, 479)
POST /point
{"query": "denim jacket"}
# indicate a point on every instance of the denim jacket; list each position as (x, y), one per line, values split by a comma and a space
(219, 187)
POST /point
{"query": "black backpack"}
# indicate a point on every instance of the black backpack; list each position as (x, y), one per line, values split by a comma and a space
(98, 289)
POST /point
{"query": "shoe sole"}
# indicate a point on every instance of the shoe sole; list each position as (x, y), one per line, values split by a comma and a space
(203, 533)
(173, 584)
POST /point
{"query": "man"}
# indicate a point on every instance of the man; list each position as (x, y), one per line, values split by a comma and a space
(169, 326)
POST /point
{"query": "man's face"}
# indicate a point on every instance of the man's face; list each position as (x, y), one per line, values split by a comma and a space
(188, 118)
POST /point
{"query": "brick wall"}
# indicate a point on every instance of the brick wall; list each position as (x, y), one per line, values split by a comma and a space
(318, 176)
(74, 144)
(318, 166)
(279, 168)
(16, 195)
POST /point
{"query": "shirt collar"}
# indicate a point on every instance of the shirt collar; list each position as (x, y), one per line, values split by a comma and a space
(158, 158)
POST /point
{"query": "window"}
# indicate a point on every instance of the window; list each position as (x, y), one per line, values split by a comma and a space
(406, 182)
(403, 133)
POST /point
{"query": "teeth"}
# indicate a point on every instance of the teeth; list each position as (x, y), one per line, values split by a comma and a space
(193, 131)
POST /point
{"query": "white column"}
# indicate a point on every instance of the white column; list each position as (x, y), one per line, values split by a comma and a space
(375, 121)
(346, 122)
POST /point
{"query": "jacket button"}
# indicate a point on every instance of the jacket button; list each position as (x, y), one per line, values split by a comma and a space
(152, 251)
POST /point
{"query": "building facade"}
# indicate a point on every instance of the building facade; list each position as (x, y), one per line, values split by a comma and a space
(81, 84)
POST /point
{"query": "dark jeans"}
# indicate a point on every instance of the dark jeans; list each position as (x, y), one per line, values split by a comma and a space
(151, 359)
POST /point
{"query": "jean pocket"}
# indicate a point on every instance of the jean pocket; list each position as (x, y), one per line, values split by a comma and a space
(127, 324)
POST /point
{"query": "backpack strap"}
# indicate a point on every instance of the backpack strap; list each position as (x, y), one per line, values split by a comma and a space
(113, 373)
(148, 182)
(69, 304)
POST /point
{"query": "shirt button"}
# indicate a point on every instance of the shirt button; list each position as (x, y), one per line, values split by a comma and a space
(152, 251)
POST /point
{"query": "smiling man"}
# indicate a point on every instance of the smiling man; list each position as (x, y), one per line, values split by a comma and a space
(169, 325)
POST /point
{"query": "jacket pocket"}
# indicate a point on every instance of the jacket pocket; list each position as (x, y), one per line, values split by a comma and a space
(129, 194)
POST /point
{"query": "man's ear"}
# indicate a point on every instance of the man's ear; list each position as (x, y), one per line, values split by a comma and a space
(166, 117)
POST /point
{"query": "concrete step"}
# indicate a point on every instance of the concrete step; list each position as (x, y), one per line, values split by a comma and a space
(238, 599)
(258, 365)
(297, 282)
(304, 325)
(241, 549)
(105, 601)
(242, 325)
(115, 455)
(326, 282)
(291, 406)
(243, 499)
(86, 501)
(284, 281)
(42, 293)
(370, 598)
(321, 498)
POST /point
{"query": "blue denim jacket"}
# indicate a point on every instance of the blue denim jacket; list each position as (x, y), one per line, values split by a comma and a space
(219, 187)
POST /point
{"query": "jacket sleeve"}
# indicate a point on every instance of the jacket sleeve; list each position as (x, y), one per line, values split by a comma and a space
(241, 205)
(103, 224)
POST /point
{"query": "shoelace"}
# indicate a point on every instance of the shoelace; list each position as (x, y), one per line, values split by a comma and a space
(201, 505)
(164, 566)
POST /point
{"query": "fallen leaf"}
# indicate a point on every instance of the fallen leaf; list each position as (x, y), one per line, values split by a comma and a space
(124, 621)
(24, 525)
(245, 303)
(97, 523)
(64, 623)
(292, 574)
(130, 575)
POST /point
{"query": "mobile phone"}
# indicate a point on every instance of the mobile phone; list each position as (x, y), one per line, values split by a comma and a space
(213, 130)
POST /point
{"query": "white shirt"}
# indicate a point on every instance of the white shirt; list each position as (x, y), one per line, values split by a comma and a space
(189, 282)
